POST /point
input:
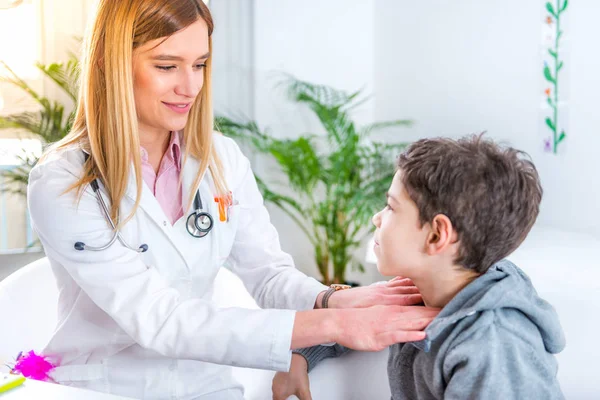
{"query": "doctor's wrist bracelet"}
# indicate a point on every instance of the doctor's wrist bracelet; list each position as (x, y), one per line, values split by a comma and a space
(332, 289)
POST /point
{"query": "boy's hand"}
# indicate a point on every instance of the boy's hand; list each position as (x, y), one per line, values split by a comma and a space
(294, 382)
(398, 292)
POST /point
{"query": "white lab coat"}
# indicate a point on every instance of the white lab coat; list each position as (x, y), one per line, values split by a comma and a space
(142, 325)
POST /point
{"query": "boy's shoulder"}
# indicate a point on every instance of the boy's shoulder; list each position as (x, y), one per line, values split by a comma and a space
(491, 330)
(502, 299)
(498, 349)
(500, 311)
(496, 335)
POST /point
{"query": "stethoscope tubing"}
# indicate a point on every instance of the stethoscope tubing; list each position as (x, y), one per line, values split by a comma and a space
(199, 223)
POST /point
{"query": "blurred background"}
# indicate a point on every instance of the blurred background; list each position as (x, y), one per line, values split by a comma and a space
(519, 70)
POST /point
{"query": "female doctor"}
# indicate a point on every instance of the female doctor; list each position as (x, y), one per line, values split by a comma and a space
(141, 204)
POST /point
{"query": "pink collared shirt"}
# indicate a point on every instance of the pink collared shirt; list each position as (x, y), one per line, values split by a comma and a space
(165, 185)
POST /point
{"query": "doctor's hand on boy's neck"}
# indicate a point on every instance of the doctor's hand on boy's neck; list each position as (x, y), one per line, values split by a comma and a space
(424, 251)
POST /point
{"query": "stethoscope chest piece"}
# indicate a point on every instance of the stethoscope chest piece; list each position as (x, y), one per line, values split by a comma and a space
(199, 223)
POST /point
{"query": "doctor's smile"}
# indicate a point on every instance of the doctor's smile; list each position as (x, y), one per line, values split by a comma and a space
(182, 108)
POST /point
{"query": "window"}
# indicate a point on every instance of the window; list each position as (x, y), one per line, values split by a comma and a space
(19, 49)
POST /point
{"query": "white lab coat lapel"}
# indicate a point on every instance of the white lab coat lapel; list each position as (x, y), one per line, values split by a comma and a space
(188, 171)
(188, 247)
(151, 208)
(148, 202)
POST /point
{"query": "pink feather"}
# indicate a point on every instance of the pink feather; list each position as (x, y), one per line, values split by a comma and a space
(34, 366)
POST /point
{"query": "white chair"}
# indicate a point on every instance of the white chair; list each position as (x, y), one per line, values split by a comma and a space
(564, 267)
(27, 309)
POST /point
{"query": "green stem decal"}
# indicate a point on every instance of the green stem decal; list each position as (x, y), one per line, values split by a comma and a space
(551, 74)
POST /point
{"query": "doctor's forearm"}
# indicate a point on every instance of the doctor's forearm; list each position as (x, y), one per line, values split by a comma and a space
(314, 327)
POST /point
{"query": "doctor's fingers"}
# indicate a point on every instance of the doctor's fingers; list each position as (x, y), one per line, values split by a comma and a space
(301, 394)
(400, 281)
(410, 312)
(304, 395)
(401, 331)
(400, 289)
(387, 339)
(401, 300)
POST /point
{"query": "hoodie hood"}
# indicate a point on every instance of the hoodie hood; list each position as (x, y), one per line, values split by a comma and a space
(503, 287)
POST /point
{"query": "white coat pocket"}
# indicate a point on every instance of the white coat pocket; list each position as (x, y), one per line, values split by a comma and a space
(225, 232)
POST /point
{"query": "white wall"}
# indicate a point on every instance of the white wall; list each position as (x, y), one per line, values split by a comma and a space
(328, 42)
(233, 57)
(461, 67)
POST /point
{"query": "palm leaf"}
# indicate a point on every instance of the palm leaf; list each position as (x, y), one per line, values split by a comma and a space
(369, 129)
(6, 123)
(271, 196)
(16, 179)
(13, 79)
(288, 205)
(328, 104)
(313, 94)
(299, 160)
(65, 75)
(29, 121)
(246, 131)
(49, 123)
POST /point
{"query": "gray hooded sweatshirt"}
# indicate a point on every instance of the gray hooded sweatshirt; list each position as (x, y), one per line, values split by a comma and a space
(496, 339)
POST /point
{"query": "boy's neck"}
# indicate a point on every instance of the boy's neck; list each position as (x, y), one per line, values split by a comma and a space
(439, 285)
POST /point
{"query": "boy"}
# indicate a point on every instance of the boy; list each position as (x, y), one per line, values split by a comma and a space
(455, 209)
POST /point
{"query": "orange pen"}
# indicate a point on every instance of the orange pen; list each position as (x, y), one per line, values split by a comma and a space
(224, 203)
(222, 216)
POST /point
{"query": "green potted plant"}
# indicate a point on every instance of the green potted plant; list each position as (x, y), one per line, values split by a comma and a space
(338, 180)
(49, 124)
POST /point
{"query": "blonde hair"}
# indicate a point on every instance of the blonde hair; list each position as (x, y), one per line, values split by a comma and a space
(106, 123)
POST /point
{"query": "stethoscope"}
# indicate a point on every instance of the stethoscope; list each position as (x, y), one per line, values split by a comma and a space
(199, 223)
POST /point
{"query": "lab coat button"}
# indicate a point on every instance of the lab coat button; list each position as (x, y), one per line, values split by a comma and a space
(164, 223)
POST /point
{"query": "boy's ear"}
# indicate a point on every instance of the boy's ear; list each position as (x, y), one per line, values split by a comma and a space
(442, 235)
